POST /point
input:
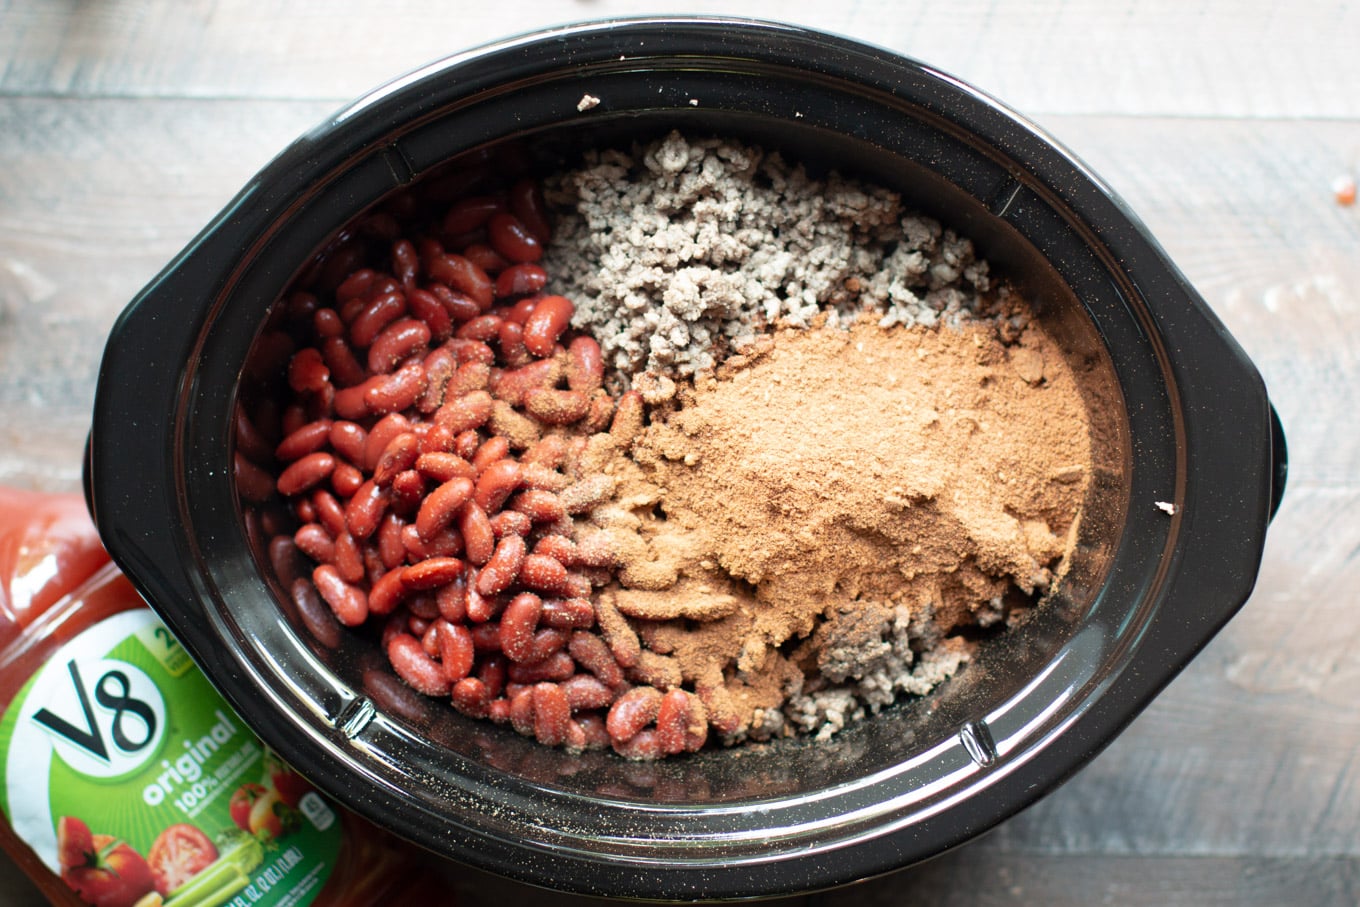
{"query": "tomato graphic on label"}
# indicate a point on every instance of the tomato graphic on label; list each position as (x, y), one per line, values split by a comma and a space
(179, 853)
(105, 872)
(271, 817)
(243, 801)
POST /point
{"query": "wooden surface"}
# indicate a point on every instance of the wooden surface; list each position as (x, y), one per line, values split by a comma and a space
(125, 126)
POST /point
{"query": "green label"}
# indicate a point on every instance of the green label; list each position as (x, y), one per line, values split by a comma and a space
(126, 773)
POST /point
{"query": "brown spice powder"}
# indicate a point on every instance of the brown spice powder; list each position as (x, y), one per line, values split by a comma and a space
(777, 514)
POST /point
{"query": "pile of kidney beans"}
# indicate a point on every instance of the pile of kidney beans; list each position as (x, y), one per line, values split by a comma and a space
(427, 447)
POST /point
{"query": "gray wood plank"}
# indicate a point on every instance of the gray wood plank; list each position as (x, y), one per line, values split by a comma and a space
(1055, 56)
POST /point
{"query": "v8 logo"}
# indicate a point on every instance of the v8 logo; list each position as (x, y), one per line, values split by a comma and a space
(107, 721)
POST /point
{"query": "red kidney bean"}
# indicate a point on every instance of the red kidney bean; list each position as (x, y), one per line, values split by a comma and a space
(459, 307)
(349, 561)
(681, 723)
(426, 306)
(356, 286)
(502, 569)
(520, 311)
(390, 547)
(479, 538)
(408, 488)
(387, 593)
(452, 600)
(548, 452)
(457, 653)
(462, 275)
(631, 712)
(439, 368)
(496, 483)
(305, 473)
(315, 613)
(307, 371)
(488, 452)
(568, 613)
(432, 573)
(587, 692)
(542, 478)
(642, 746)
(346, 371)
(483, 328)
(519, 622)
(469, 377)
(480, 610)
(521, 279)
(442, 467)
(414, 666)
(546, 323)
(471, 697)
(346, 479)
(422, 606)
(620, 636)
(466, 412)
(327, 510)
(556, 407)
(522, 711)
(283, 557)
(585, 365)
(441, 505)
(400, 339)
(600, 414)
(514, 385)
(365, 510)
(400, 454)
(510, 339)
(308, 439)
(326, 322)
(381, 435)
(508, 522)
(471, 213)
(593, 653)
(540, 506)
(551, 714)
(512, 239)
(348, 440)
(466, 350)
(526, 202)
(395, 392)
(405, 262)
(347, 601)
(467, 443)
(374, 316)
(543, 573)
(313, 540)
(486, 258)
(556, 668)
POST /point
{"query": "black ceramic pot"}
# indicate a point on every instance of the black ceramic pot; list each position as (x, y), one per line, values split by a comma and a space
(1181, 417)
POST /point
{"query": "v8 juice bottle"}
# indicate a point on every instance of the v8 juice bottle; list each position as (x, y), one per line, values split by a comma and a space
(125, 778)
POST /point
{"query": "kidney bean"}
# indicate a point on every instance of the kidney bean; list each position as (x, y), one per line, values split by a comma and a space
(381, 435)
(502, 569)
(519, 622)
(458, 307)
(466, 412)
(587, 692)
(310, 438)
(548, 452)
(483, 328)
(441, 466)
(600, 414)
(568, 613)
(642, 746)
(467, 443)
(428, 307)
(387, 593)
(328, 511)
(422, 606)
(488, 452)
(479, 538)
(631, 712)
(451, 600)
(347, 601)
(492, 671)
(346, 479)
(551, 714)
(556, 668)
(543, 573)
(456, 651)
(556, 407)
(365, 510)
(348, 440)
(400, 454)
(510, 338)
(283, 557)
(396, 392)
(471, 697)
(375, 315)
(307, 371)
(349, 561)
(345, 368)
(305, 473)
(402, 338)
(408, 489)
(512, 239)
(441, 505)
(356, 286)
(546, 323)
(508, 522)
(515, 384)
(521, 279)
(593, 653)
(537, 477)
(582, 496)
(439, 368)
(390, 547)
(496, 483)
(405, 262)
(413, 665)
(315, 613)
(620, 636)
(432, 573)
(522, 711)
(313, 540)
(462, 275)
(526, 203)
(520, 311)
(326, 323)
(585, 365)
(486, 258)
(498, 710)
(471, 213)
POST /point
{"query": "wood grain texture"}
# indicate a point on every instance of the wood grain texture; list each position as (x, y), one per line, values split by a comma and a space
(124, 127)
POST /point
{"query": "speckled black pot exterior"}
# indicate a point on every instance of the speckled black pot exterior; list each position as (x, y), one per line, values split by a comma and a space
(1186, 421)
